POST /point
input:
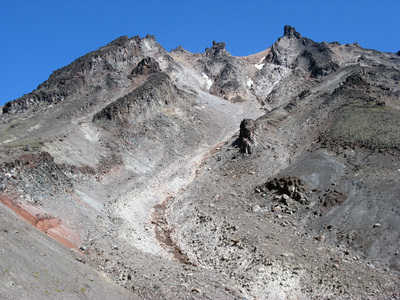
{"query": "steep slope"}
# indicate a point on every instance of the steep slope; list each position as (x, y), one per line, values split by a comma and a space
(106, 68)
(35, 266)
(110, 154)
(314, 209)
(131, 158)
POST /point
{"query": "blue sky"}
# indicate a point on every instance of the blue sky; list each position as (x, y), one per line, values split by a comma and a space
(40, 36)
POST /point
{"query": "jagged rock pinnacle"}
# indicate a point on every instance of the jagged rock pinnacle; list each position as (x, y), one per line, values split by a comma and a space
(219, 46)
(178, 49)
(290, 31)
(131, 157)
(216, 47)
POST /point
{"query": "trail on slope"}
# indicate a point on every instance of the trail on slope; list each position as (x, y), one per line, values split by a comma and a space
(162, 229)
(144, 208)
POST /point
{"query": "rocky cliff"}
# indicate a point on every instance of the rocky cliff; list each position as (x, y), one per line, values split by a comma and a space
(205, 175)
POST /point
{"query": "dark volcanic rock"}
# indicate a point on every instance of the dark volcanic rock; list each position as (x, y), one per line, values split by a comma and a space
(227, 72)
(179, 49)
(290, 31)
(157, 92)
(216, 51)
(132, 149)
(333, 198)
(86, 72)
(35, 98)
(320, 61)
(291, 186)
(292, 48)
(146, 66)
(247, 135)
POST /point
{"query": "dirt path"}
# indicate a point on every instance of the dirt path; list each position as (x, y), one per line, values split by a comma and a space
(161, 227)
(144, 207)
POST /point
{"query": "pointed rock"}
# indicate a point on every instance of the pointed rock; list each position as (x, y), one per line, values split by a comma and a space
(216, 50)
(290, 31)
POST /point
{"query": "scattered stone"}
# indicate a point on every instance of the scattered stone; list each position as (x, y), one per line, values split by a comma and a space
(197, 291)
(80, 259)
(286, 189)
(333, 198)
(285, 199)
(227, 245)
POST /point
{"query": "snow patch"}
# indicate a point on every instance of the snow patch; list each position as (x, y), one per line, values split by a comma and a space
(209, 81)
(250, 82)
(260, 64)
(145, 45)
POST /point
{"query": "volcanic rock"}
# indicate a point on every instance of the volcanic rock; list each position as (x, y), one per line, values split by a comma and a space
(127, 160)
(247, 135)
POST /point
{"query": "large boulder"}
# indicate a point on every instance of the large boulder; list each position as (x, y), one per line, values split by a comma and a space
(247, 136)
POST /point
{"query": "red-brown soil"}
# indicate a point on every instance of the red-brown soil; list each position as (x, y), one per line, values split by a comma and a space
(44, 222)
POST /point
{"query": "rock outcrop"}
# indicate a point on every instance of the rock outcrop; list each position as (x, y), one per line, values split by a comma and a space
(90, 72)
(227, 72)
(156, 93)
(292, 187)
(129, 157)
(247, 136)
(293, 51)
(146, 66)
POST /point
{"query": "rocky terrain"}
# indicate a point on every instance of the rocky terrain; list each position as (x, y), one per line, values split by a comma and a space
(135, 172)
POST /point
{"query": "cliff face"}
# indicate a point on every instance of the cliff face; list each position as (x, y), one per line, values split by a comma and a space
(293, 51)
(276, 174)
(104, 68)
(157, 92)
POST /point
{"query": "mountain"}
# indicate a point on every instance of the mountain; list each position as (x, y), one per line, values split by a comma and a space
(135, 172)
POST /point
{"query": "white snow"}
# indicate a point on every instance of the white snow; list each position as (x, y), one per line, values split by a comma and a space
(208, 80)
(146, 45)
(260, 64)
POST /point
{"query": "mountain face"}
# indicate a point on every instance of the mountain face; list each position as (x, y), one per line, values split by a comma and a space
(135, 172)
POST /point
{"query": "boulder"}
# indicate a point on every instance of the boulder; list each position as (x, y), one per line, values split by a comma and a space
(247, 139)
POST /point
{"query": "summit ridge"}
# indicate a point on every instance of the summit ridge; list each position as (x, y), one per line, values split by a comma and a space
(134, 172)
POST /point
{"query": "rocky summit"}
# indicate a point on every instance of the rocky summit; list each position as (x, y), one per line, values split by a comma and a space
(137, 173)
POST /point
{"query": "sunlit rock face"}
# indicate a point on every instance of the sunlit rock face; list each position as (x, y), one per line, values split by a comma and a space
(205, 175)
